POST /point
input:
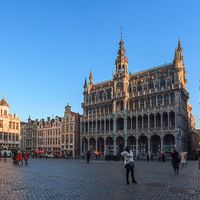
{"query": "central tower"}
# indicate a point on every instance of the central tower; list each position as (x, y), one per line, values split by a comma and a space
(122, 61)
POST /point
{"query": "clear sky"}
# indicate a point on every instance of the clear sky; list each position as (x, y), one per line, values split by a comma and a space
(47, 47)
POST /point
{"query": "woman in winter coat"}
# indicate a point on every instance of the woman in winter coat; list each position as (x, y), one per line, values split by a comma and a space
(129, 164)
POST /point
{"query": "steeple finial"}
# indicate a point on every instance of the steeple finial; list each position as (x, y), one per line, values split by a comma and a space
(121, 33)
(179, 44)
(91, 77)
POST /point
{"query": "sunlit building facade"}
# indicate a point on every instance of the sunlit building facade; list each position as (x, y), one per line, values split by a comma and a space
(9, 128)
(146, 110)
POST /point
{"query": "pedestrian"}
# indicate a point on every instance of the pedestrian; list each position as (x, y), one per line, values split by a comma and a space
(129, 164)
(26, 158)
(183, 158)
(5, 156)
(19, 158)
(151, 157)
(163, 157)
(175, 160)
(88, 156)
(147, 157)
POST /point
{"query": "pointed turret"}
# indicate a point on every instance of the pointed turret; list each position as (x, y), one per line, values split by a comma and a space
(3, 102)
(121, 61)
(179, 66)
(178, 57)
(85, 83)
(91, 77)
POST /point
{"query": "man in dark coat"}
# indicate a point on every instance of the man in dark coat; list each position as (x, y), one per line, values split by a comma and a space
(88, 156)
(175, 161)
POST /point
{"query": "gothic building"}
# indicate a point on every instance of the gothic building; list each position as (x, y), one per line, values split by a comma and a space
(146, 110)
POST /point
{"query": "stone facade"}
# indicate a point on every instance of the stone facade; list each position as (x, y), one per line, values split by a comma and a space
(146, 110)
(54, 136)
(29, 135)
(70, 133)
(48, 135)
(9, 128)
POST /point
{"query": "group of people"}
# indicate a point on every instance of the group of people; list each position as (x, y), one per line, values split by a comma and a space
(129, 162)
(18, 158)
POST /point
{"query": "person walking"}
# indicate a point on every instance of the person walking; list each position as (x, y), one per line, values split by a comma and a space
(19, 158)
(129, 164)
(88, 155)
(175, 160)
(183, 158)
(26, 158)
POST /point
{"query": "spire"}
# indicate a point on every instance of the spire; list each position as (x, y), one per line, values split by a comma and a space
(85, 84)
(178, 57)
(179, 44)
(91, 77)
(122, 61)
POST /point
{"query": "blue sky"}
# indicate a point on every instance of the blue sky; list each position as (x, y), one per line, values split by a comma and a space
(48, 47)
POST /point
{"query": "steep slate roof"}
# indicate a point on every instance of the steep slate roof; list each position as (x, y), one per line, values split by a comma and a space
(3, 102)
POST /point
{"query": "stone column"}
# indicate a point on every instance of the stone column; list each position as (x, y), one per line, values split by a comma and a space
(161, 121)
(88, 143)
(114, 134)
(161, 143)
(136, 147)
(96, 144)
(149, 145)
(104, 125)
(125, 131)
(105, 148)
(136, 122)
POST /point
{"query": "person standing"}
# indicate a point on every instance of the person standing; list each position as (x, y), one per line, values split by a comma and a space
(26, 158)
(129, 164)
(175, 160)
(88, 156)
(183, 158)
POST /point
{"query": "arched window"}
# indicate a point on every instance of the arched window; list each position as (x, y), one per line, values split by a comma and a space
(166, 99)
(159, 100)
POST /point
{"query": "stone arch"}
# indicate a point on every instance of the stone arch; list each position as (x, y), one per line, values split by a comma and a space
(166, 99)
(120, 145)
(111, 124)
(128, 123)
(86, 127)
(168, 142)
(98, 125)
(143, 143)
(152, 121)
(158, 120)
(134, 123)
(100, 145)
(145, 121)
(139, 122)
(165, 119)
(107, 125)
(155, 143)
(160, 100)
(172, 119)
(120, 123)
(92, 144)
(131, 142)
(102, 125)
(90, 126)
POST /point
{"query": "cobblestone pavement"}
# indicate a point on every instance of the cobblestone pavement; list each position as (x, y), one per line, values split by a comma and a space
(75, 179)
